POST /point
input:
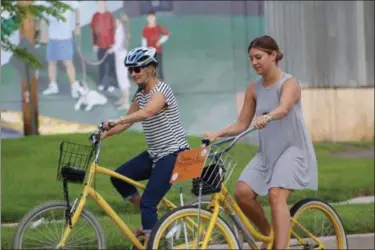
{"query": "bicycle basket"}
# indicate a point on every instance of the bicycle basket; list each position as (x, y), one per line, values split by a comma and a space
(218, 169)
(73, 161)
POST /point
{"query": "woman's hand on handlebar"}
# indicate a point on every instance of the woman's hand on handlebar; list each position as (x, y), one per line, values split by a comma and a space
(262, 121)
(211, 136)
(107, 125)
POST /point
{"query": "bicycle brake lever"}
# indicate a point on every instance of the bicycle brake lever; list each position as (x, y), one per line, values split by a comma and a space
(94, 138)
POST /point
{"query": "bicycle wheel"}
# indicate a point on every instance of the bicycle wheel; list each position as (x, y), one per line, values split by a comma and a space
(313, 215)
(205, 201)
(172, 230)
(44, 225)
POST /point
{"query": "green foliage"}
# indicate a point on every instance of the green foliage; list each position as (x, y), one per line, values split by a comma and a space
(12, 16)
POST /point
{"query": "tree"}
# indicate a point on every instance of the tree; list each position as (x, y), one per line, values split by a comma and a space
(20, 16)
(13, 14)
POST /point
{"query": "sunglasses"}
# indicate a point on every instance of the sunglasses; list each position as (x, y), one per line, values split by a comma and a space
(135, 69)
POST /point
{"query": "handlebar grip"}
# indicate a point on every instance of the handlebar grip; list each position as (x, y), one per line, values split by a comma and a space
(101, 126)
(205, 142)
(111, 124)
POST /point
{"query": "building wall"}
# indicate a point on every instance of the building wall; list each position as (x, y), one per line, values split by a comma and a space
(334, 115)
(326, 43)
(329, 47)
(205, 62)
(179, 8)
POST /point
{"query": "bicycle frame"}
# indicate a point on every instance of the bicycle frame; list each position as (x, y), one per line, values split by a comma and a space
(89, 191)
(238, 217)
(251, 235)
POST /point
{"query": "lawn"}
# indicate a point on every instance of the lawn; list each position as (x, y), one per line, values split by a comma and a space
(29, 168)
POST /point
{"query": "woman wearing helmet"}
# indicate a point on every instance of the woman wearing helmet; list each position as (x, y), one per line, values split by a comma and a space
(155, 106)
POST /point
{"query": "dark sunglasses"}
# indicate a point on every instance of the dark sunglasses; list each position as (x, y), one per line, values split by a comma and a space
(135, 69)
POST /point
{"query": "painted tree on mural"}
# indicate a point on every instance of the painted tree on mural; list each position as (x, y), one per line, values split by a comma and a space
(21, 16)
(12, 17)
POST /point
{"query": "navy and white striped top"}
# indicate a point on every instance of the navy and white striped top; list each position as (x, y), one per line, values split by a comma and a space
(163, 131)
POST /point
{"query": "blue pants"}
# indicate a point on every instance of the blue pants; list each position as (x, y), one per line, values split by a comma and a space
(141, 168)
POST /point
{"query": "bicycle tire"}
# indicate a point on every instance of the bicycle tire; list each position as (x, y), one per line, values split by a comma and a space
(18, 237)
(169, 217)
(328, 210)
(206, 199)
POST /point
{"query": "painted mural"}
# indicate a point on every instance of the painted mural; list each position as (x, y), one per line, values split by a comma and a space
(202, 48)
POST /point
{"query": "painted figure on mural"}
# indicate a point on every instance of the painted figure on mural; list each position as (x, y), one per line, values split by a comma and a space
(60, 47)
(154, 35)
(103, 35)
(120, 49)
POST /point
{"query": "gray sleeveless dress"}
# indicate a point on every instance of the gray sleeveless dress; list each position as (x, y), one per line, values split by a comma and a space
(286, 157)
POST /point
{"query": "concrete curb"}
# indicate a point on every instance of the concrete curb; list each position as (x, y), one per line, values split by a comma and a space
(355, 241)
(361, 241)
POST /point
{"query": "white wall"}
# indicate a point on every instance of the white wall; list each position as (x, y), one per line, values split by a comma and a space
(87, 9)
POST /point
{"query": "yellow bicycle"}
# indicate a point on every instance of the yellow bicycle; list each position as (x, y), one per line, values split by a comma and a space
(201, 227)
(57, 224)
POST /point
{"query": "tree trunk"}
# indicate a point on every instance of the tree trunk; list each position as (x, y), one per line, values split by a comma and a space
(30, 79)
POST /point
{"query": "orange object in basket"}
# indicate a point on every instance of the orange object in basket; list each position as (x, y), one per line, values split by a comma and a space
(189, 164)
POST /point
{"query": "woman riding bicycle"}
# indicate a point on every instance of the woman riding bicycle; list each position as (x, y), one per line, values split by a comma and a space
(286, 159)
(156, 107)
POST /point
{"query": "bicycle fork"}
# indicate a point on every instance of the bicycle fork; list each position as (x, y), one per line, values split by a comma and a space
(71, 213)
(211, 225)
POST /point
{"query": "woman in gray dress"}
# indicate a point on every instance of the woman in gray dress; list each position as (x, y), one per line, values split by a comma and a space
(286, 159)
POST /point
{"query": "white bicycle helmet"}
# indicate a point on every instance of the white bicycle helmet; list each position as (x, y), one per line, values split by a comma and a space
(140, 57)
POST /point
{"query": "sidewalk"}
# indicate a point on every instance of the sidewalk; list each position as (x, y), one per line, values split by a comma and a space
(361, 241)
(355, 241)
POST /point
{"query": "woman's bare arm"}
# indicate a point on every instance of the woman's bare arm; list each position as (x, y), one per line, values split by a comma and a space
(154, 106)
(290, 94)
(121, 127)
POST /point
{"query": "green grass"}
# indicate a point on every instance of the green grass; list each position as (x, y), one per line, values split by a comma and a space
(355, 218)
(29, 168)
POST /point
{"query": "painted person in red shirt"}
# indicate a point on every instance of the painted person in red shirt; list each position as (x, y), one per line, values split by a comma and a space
(103, 35)
(154, 35)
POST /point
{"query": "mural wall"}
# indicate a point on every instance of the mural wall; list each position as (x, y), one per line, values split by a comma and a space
(204, 61)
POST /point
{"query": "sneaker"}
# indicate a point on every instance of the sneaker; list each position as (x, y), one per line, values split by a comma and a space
(51, 89)
(75, 90)
(111, 89)
(101, 87)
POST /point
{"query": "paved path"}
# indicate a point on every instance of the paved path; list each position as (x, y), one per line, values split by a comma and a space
(355, 241)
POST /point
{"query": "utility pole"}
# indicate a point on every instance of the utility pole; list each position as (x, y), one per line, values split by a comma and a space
(29, 82)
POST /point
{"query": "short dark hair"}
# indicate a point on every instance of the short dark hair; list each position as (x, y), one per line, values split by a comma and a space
(267, 44)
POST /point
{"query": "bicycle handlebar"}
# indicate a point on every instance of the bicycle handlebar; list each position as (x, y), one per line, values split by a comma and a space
(96, 137)
(233, 139)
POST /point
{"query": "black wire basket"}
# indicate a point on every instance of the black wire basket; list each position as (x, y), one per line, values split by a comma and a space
(73, 161)
(218, 168)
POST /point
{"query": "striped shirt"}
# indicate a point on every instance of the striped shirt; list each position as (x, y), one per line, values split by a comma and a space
(163, 131)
